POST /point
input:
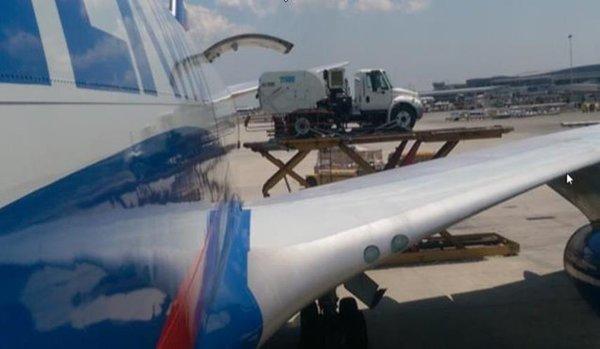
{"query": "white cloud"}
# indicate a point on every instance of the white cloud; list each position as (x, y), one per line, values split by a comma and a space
(407, 6)
(260, 7)
(374, 5)
(263, 7)
(209, 25)
(332, 4)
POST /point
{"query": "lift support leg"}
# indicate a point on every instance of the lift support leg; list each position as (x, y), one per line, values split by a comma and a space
(352, 154)
(287, 168)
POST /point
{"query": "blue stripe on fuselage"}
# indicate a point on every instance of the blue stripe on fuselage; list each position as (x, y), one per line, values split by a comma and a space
(100, 60)
(159, 51)
(38, 303)
(181, 14)
(138, 48)
(22, 57)
(159, 15)
(177, 40)
(59, 303)
(230, 316)
(106, 181)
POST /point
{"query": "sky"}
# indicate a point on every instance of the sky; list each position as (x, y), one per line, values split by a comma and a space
(416, 41)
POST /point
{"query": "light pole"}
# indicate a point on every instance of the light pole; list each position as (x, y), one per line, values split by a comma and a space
(571, 56)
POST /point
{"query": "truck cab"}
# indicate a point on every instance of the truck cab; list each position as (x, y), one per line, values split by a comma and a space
(372, 90)
(377, 99)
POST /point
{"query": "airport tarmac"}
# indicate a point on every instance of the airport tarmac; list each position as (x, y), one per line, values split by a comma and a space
(525, 301)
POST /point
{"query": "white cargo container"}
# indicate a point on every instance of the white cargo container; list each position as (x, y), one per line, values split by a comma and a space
(288, 91)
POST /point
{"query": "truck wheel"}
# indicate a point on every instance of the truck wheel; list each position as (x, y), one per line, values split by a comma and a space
(302, 127)
(312, 181)
(404, 116)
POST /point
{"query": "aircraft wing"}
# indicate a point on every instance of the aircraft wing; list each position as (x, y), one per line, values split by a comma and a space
(321, 68)
(304, 244)
(243, 89)
(244, 95)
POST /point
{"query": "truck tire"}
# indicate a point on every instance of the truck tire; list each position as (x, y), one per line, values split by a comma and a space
(302, 127)
(312, 181)
(405, 116)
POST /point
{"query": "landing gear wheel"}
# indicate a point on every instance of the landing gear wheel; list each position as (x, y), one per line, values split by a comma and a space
(311, 335)
(302, 127)
(331, 326)
(353, 325)
(404, 116)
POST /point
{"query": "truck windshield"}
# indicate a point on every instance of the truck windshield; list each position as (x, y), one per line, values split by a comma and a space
(387, 80)
(378, 80)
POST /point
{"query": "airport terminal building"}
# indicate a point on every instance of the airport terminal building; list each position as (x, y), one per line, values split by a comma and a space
(577, 85)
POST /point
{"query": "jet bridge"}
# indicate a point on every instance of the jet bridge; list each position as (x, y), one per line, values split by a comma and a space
(445, 247)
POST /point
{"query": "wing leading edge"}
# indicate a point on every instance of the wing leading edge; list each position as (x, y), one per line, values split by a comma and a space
(307, 243)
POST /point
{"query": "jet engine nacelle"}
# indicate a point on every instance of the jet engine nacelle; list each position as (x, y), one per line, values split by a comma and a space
(582, 262)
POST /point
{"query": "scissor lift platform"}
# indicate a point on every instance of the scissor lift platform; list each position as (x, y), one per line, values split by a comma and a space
(450, 137)
(448, 248)
(444, 248)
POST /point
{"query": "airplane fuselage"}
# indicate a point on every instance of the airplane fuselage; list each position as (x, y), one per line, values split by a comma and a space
(105, 140)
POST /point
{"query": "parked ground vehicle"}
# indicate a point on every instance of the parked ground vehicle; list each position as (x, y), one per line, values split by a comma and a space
(312, 102)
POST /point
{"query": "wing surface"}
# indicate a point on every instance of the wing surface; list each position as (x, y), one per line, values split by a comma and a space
(441, 192)
(321, 68)
(316, 239)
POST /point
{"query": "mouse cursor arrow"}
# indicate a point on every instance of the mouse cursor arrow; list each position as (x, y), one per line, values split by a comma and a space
(569, 180)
